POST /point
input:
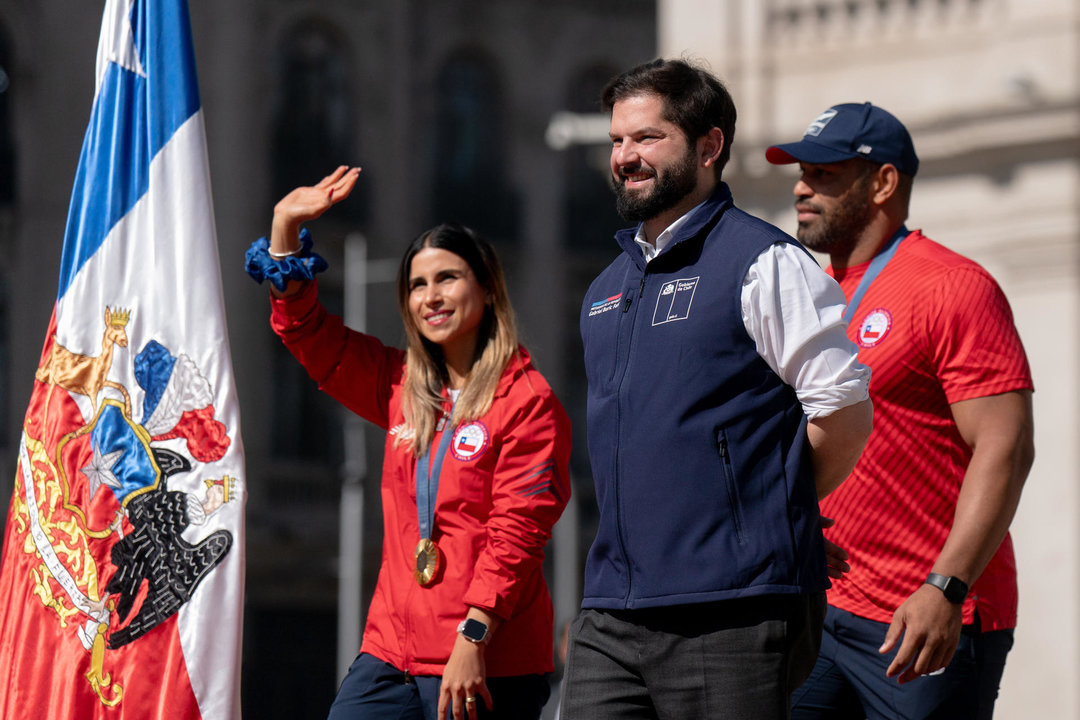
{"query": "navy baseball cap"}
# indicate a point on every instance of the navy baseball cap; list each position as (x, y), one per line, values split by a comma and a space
(848, 131)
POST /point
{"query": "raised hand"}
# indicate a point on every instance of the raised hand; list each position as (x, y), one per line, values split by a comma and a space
(307, 203)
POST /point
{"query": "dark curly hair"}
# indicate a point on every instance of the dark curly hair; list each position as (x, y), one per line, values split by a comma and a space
(694, 99)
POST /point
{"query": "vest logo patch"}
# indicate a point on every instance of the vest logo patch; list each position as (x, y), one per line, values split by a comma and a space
(602, 306)
(874, 327)
(673, 302)
(470, 441)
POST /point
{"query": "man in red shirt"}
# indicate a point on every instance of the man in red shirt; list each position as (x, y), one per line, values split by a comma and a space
(922, 623)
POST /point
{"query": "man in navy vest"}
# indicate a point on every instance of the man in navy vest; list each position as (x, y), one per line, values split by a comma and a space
(724, 400)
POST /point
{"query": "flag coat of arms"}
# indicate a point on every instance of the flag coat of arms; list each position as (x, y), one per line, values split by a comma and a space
(121, 582)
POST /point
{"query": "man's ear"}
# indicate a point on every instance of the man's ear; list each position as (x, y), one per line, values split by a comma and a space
(886, 183)
(710, 145)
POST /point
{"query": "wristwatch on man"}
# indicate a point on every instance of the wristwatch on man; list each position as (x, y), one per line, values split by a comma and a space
(955, 589)
(473, 630)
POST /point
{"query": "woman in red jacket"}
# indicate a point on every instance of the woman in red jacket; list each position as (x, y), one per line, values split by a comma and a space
(474, 475)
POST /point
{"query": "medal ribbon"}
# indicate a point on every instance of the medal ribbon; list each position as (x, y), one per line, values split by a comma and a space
(427, 481)
(876, 266)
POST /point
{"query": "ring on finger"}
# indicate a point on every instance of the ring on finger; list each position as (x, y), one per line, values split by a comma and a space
(470, 699)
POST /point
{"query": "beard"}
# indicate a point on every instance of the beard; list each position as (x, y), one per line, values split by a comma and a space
(837, 230)
(670, 186)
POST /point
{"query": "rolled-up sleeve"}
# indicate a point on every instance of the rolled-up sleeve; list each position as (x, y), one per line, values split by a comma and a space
(793, 311)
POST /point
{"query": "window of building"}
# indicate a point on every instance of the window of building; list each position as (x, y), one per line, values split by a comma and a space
(7, 142)
(591, 220)
(469, 175)
(588, 247)
(311, 134)
(313, 123)
(7, 210)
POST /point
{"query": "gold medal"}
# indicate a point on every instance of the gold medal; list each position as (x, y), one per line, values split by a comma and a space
(427, 561)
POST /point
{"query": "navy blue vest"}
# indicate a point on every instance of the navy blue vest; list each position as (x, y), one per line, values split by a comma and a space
(698, 449)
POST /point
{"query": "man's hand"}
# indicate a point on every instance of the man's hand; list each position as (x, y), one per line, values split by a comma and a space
(930, 626)
(835, 556)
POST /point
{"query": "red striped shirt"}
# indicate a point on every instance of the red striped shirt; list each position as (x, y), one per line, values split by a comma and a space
(935, 329)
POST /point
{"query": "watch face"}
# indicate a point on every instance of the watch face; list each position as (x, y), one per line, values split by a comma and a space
(955, 590)
(474, 630)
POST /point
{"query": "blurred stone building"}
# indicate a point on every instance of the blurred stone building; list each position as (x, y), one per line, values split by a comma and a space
(447, 106)
(990, 90)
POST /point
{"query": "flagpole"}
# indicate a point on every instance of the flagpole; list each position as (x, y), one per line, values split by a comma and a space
(359, 273)
(351, 534)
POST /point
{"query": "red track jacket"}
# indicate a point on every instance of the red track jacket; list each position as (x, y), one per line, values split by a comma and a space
(504, 483)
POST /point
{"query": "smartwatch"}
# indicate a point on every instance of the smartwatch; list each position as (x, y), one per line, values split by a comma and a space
(473, 630)
(955, 589)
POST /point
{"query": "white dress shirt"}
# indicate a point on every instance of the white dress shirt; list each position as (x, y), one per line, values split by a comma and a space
(793, 312)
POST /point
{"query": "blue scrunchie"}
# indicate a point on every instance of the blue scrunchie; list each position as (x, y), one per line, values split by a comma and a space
(302, 266)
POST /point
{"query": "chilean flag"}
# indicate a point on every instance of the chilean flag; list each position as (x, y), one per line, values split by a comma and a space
(121, 581)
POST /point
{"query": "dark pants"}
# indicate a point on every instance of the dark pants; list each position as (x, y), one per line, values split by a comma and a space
(849, 682)
(375, 690)
(736, 659)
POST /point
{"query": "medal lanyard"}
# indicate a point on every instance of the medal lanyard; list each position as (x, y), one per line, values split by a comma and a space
(876, 266)
(427, 481)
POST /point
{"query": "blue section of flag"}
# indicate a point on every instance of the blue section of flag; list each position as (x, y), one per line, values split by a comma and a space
(153, 368)
(132, 119)
(134, 469)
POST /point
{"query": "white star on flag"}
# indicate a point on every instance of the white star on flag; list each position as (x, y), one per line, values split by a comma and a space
(99, 471)
(117, 42)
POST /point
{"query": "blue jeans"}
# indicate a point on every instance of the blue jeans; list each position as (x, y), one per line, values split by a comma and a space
(376, 690)
(849, 682)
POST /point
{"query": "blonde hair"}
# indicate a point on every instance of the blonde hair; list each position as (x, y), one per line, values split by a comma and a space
(425, 367)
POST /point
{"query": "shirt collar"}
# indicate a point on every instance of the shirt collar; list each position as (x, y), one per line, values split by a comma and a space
(664, 238)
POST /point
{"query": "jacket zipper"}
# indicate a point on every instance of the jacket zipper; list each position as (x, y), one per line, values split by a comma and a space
(630, 296)
(729, 485)
(618, 426)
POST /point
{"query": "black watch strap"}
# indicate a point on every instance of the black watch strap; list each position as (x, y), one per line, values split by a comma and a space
(955, 589)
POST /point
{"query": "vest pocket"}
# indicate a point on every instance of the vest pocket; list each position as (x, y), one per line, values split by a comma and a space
(620, 321)
(730, 486)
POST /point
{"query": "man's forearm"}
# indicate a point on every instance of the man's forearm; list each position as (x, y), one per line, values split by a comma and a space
(999, 430)
(836, 442)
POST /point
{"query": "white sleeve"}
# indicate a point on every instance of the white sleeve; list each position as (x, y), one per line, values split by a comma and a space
(793, 311)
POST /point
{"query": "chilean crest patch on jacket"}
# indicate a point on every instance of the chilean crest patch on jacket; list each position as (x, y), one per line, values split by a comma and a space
(470, 441)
